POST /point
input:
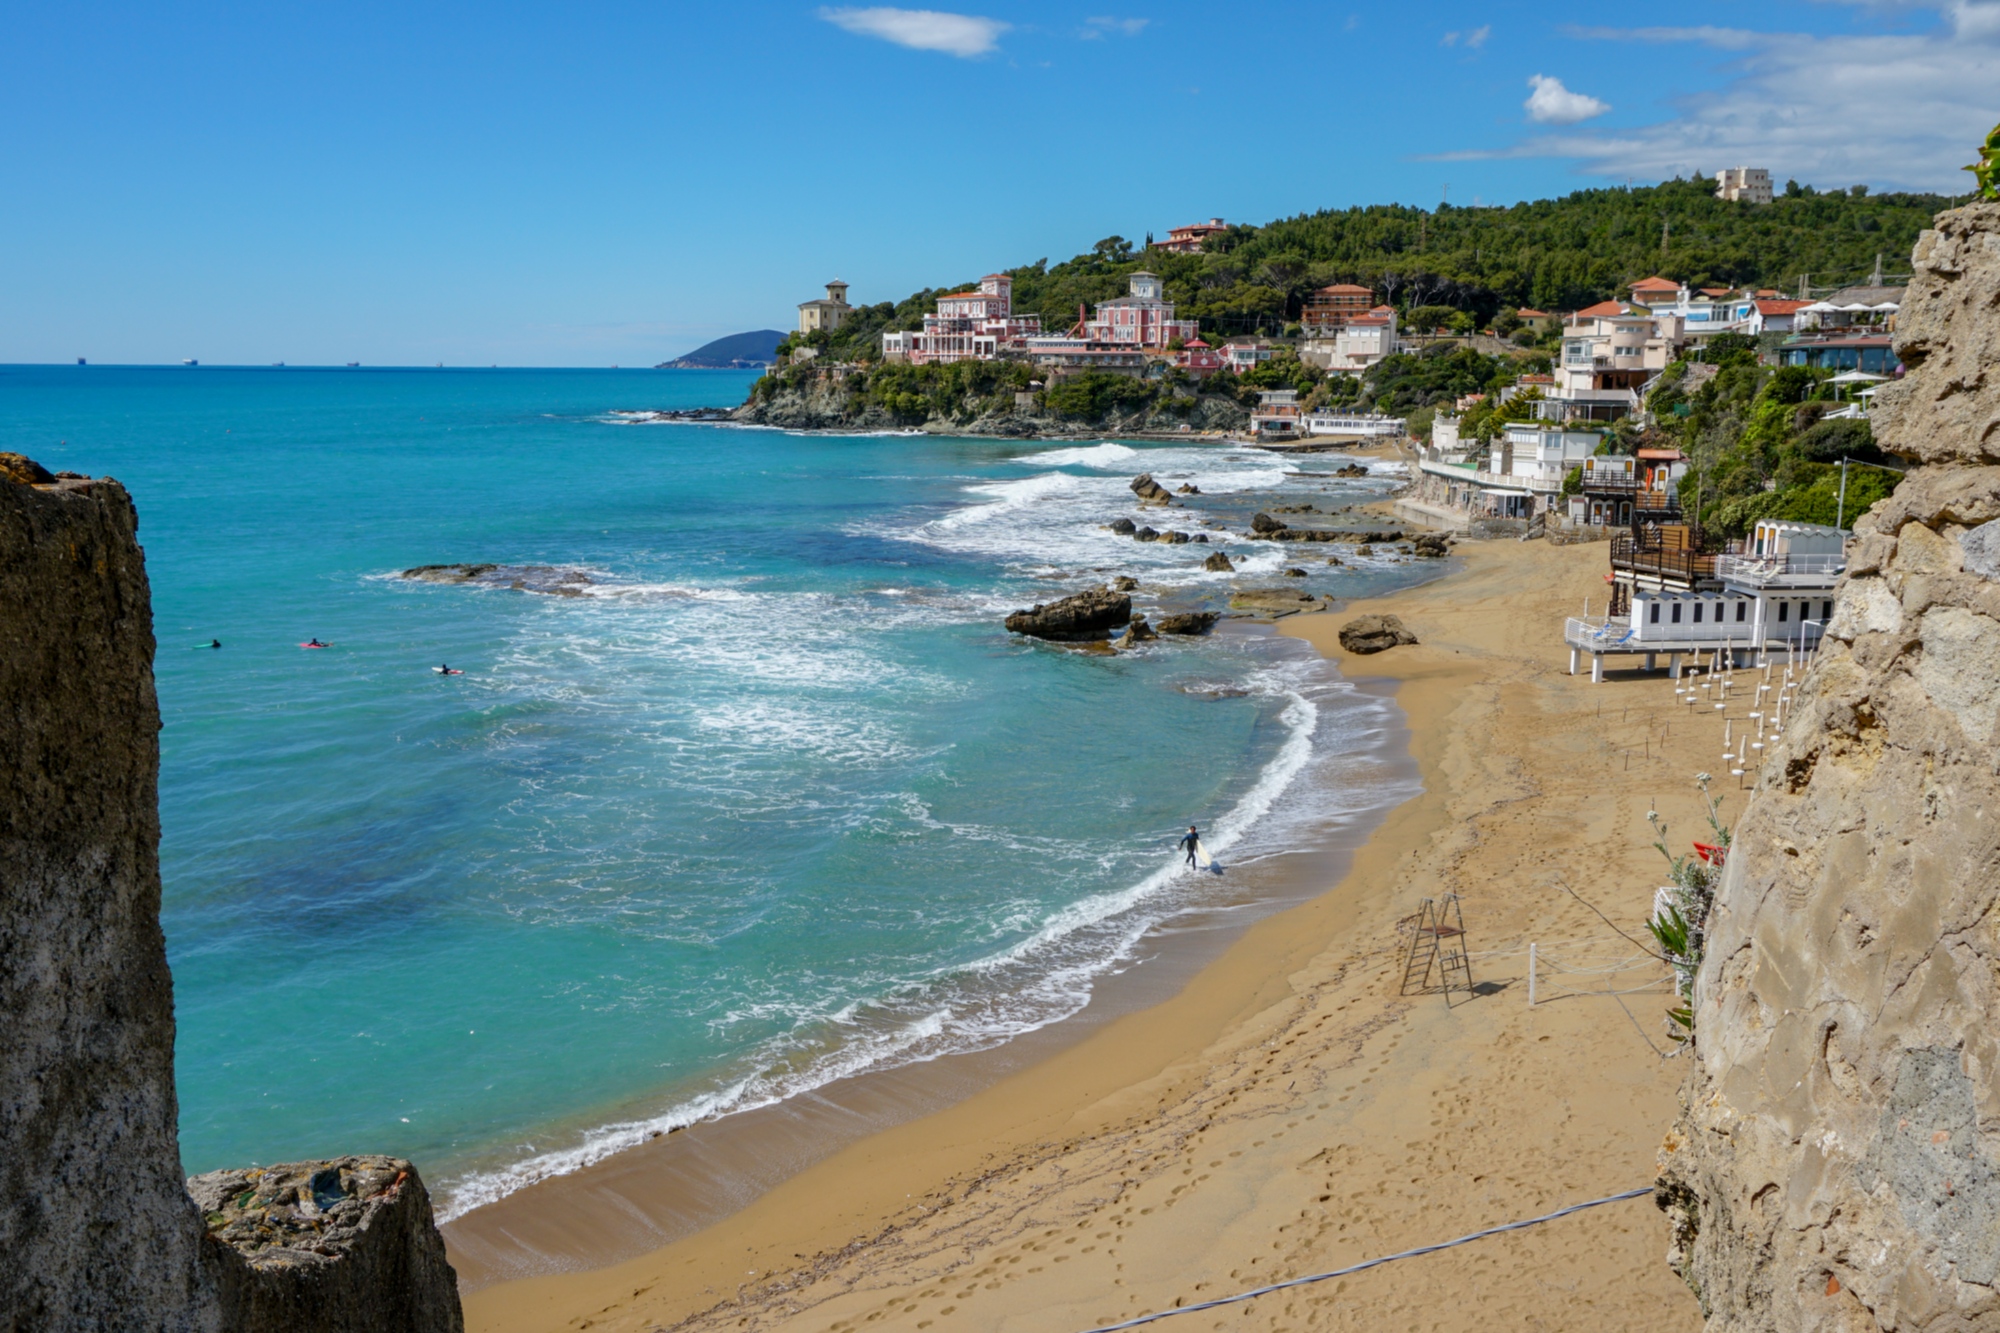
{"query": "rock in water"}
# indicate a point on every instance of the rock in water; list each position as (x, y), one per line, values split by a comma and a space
(1125, 583)
(1264, 525)
(1150, 491)
(1124, 527)
(1374, 634)
(1294, 572)
(1219, 563)
(1189, 622)
(1086, 615)
(1833, 1166)
(1136, 633)
(1188, 488)
(328, 1245)
(1146, 534)
(1175, 538)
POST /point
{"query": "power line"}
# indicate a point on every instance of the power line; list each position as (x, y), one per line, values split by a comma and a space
(1386, 1259)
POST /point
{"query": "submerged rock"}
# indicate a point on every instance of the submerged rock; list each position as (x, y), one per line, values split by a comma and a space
(550, 580)
(1189, 622)
(1086, 615)
(1136, 633)
(1374, 634)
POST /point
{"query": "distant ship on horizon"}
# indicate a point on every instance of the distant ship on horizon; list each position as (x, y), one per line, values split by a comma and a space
(190, 362)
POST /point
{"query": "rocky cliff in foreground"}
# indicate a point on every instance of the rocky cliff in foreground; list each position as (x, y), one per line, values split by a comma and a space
(1837, 1161)
(97, 1229)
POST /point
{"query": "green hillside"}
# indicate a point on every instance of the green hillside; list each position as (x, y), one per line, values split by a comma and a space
(1551, 254)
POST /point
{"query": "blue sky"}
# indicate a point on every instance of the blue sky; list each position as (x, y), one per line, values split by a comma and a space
(615, 183)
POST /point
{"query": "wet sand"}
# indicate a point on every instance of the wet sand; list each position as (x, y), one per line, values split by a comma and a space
(1284, 1109)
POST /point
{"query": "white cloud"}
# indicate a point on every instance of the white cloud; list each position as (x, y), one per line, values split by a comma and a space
(1896, 110)
(1094, 29)
(1553, 104)
(1472, 40)
(964, 35)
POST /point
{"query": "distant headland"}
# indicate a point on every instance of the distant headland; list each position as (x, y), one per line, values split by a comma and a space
(739, 351)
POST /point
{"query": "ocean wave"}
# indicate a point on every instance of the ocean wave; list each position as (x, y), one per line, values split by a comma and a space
(1043, 977)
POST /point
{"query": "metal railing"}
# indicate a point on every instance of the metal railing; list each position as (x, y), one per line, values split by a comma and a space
(1646, 558)
(1770, 569)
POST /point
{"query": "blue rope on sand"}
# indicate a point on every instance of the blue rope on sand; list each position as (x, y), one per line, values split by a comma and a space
(1385, 1259)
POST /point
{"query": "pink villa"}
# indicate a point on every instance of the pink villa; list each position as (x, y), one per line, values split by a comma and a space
(967, 326)
(1143, 319)
(1187, 240)
(1198, 358)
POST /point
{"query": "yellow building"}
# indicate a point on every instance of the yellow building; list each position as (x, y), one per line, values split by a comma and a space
(828, 314)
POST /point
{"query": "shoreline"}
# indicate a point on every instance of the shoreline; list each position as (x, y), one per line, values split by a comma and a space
(647, 1195)
(1098, 1142)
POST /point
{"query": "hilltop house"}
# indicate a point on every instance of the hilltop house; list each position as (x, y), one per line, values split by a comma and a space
(1329, 308)
(827, 314)
(1187, 240)
(1750, 185)
(1244, 355)
(1354, 344)
(1609, 350)
(971, 325)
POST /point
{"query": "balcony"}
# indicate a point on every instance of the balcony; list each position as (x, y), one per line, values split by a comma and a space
(1781, 571)
(1658, 561)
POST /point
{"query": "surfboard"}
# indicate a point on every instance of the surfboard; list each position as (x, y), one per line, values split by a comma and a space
(315, 645)
(453, 671)
(1202, 860)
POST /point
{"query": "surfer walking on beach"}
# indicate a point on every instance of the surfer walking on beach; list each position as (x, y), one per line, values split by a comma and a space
(1190, 843)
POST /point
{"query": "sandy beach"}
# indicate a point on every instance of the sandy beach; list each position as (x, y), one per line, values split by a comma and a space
(1287, 1110)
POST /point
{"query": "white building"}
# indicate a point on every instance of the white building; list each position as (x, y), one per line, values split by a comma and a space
(1277, 414)
(1356, 425)
(1351, 347)
(1609, 350)
(1749, 185)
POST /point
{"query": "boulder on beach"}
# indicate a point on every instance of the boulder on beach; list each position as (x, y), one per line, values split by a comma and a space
(1150, 492)
(1219, 563)
(1125, 583)
(1189, 622)
(1430, 545)
(1092, 614)
(1124, 527)
(1374, 634)
(1136, 633)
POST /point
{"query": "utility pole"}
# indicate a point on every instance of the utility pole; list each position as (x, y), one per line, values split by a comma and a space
(1666, 230)
(1876, 279)
(1840, 509)
(1447, 199)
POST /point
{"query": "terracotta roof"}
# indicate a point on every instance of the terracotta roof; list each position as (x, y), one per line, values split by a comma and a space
(1662, 455)
(1525, 313)
(1602, 310)
(1716, 291)
(1782, 307)
(1346, 288)
(1655, 284)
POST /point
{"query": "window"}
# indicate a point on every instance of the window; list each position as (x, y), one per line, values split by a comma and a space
(1677, 613)
(1783, 608)
(1826, 610)
(1742, 610)
(1656, 613)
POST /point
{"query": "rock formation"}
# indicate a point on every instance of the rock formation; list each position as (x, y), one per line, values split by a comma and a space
(1374, 634)
(1124, 527)
(1219, 563)
(95, 1225)
(97, 1228)
(1835, 1164)
(1276, 530)
(1150, 492)
(1136, 633)
(553, 580)
(1189, 622)
(333, 1246)
(1086, 615)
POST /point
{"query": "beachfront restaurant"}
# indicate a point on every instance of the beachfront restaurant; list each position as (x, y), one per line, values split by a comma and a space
(1774, 596)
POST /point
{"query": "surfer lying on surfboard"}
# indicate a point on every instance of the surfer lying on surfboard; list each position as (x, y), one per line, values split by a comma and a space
(445, 670)
(315, 643)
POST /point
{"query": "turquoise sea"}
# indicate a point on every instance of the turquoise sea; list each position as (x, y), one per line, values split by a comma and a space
(767, 796)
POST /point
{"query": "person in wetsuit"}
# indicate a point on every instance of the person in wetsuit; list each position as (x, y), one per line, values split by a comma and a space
(1190, 842)
(215, 643)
